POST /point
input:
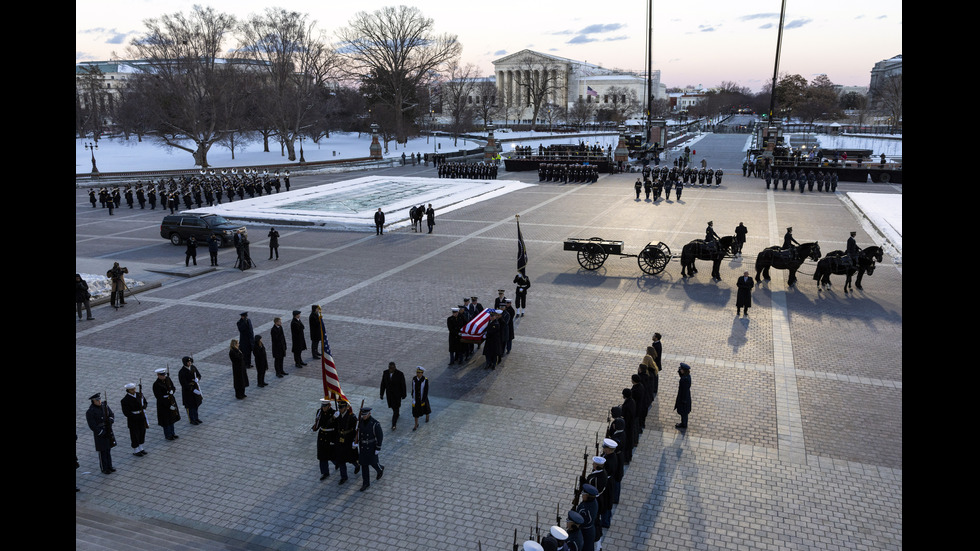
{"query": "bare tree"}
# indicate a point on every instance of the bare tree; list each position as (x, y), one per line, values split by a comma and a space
(457, 97)
(582, 112)
(91, 101)
(538, 82)
(397, 49)
(184, 80)
(295, 62)
(486, 100)
(888, 98)
(625, 103)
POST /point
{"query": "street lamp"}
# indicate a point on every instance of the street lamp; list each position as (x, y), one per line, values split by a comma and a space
(92, 147)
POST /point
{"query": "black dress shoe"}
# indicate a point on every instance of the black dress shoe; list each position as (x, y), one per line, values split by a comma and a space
(365, 487)
(176, 437)
(323, 476)
(680, 426)
(380, 473)
(342, 480)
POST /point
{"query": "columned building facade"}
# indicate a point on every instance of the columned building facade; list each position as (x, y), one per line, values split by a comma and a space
(562, 82)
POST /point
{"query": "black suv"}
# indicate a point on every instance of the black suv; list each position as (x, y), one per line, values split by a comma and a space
(178, 227)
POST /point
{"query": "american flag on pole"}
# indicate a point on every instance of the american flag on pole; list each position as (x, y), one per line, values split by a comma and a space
(591, 92)
(521, 249)
(331, 382)
(477, 327)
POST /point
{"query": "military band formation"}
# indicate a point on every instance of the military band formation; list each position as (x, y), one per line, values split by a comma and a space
(824, 180)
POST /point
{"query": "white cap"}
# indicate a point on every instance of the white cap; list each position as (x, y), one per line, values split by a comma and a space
(129, 386)
(531, 545)
(559, 533)
(160, 371)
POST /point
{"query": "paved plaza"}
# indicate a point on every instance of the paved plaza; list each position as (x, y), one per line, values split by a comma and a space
(795, 438)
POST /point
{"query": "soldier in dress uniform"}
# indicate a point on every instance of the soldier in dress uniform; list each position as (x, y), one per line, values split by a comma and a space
(129, 196)
(167, 412)
(788, 240)
(369, 440)
(709, 232)
(99, 418)
(520, 294)
(134, 406)
(852, 250)
(346, 435)
(573, 526)
(325, 427)
(589, 509)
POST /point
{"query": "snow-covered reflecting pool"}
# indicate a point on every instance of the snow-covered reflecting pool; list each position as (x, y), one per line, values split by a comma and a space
(351, 204)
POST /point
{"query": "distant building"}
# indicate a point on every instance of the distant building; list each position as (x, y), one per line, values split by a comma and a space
(568, 80)
(880, 73)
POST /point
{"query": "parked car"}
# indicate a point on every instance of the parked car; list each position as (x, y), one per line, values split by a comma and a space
(178, 227)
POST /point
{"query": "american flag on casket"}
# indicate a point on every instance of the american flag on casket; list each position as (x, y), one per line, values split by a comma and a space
(476, 329)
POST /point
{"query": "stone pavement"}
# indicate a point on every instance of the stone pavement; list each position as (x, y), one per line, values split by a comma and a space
(795, 440)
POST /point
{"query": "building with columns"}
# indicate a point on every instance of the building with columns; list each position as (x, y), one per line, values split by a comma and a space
(559, 81)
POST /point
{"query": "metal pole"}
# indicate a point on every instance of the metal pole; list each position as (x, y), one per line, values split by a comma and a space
(775, 71)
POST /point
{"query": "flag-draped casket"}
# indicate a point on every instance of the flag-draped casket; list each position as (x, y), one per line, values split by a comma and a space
(476, 329)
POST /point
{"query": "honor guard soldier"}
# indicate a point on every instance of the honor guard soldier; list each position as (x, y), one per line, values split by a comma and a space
(325, 427)
(167, 412)
(134, 408)
(100, 419)
(369, 439)
(523, 284)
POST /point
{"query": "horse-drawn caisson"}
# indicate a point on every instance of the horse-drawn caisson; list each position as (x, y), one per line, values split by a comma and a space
(653, 259)
(593, 252)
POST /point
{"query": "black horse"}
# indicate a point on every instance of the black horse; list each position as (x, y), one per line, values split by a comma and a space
(699, 249)
(416, 213)
(785, 259)
(838, 263)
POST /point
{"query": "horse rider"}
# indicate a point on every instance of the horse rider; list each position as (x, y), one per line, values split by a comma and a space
(709, 232)
(852, 248)
(788, 240)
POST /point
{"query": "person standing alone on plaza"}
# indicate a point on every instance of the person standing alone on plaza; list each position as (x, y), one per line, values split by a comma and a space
(379, 222)
(744, 297)
(430, 217)
(273, 243)
(682, 404)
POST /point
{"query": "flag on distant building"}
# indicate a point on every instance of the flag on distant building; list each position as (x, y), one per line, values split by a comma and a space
(592, 92)
(521, 249)
(331, 381)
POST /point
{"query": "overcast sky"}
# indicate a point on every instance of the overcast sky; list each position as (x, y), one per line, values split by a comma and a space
(694, 42)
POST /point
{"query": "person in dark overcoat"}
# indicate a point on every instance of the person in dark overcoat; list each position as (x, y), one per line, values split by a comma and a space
(420, 396)
(133, 406)
(346, 434)
(298, 333)
(454, 324)
(189, 378)
(246, 336)
(493, 340)
(682, 405)
(214, 243)
(393, 383)
(379, 222)
(744, 297)
(317, 331)
(100, 419)
(430, 217)
(740, 232)
(167, 412)
(273, 243)
(261, 359)
(279, 347)
(238, 371)
(325, 426)
(82, 296)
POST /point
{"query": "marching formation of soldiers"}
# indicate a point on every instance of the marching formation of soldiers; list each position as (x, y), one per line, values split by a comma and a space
(471, 171)
(598, 489)
(209, 188)
(564, 173)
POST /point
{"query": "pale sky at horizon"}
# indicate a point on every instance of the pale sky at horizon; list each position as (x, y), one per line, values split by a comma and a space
(695, 42)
